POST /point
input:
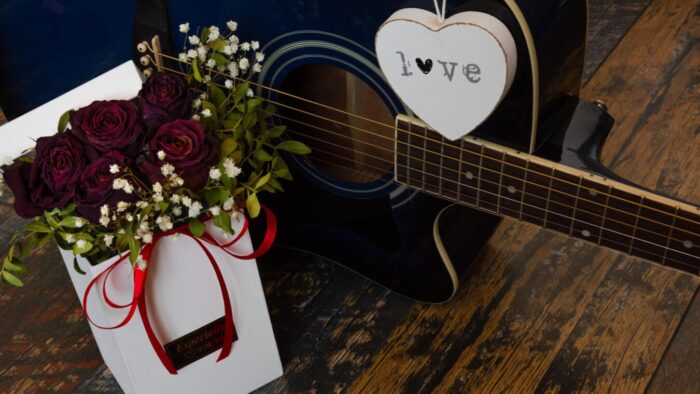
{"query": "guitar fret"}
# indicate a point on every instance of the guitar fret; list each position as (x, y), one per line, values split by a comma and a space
(442, 160)
(460, 169)
(500, 184)
(636, 225)
(522, 197)
(670, 233)
(605, 211)
(425, 151)
(573, 217)
(549, 198)
(478, 186)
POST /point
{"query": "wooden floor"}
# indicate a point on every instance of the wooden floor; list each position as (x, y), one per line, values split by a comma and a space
(539, 313)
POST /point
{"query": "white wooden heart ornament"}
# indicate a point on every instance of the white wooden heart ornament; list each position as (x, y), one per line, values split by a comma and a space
(452, 73)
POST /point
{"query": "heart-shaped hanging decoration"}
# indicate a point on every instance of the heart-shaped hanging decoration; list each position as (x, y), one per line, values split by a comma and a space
(452, 73)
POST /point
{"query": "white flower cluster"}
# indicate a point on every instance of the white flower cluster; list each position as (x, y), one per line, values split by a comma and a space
(241, 57)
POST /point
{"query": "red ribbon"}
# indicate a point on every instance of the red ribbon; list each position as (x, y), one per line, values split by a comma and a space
(141, 272)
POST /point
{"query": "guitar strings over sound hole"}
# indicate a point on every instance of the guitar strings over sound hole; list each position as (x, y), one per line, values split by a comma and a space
(344, 146)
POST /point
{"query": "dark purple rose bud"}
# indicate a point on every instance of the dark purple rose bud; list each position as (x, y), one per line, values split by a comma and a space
(50, 182)
(187, 148)
(164, 97)
(109, 125)
(96, 189)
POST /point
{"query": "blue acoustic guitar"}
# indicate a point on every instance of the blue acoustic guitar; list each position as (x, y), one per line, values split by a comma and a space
(388, 197)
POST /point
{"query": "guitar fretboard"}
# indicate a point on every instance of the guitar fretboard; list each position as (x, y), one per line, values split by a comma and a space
(508, 183)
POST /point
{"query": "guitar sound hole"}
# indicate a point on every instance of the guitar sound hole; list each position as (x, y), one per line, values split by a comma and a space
(345, 145)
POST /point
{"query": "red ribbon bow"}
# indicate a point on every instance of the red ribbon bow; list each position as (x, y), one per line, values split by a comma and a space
(141, 272)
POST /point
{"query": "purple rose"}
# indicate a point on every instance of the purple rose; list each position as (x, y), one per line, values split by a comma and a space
(109, 125)
(50, 182)
(164, 97)
(96, 189)
(187, 148)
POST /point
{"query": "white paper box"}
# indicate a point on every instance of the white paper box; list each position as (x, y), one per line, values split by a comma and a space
(182, 291)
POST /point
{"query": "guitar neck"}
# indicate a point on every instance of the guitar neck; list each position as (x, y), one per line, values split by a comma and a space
(505, 182)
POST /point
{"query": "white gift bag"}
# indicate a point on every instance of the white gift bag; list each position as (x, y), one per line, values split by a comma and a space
(184, 299)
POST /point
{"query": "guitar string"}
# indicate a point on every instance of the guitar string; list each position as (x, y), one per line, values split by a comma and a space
(459, 184)
(499, 211)
(394, 128)
(474, 153)
(391, 127)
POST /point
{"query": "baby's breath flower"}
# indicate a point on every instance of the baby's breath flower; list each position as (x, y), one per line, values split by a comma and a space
(164, 223)
(104, 220)
(129, 217)
(195, 209)
(175, 199)
(250, 93)
(244, 63)
(177, 211)
(215, 174)
(157, 187)
(211, 63)
(81, 243)
(182, 57)
(255, 45)
(234, 39)
(259, 57)
(231, 169)
(158, 197)
(108, 239)
(70, 238)
(141, 264)
(143, 227)
(114, 169)
(141, 204)
(232, 25)
(79, 223)
(206, 112)
(202, 53)
(196, 103)
(147, 238)
(122, 206)
(257, 68)
(215, 210)
(178, 181)
(191, 54)
(229, 204)
(186, 201)
(213, 33)
(245, 46)
(233, 69)
(204, 96)
(229, 50)
(185, 27)
(167, 169)
(193, 39)
(195, 117)
(104, 210)
(228, 84)
(161, 155)
(128, 188)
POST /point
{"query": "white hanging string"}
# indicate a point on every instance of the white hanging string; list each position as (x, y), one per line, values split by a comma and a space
(440, 11)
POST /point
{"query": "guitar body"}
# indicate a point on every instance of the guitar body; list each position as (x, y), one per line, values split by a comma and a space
(344, 203)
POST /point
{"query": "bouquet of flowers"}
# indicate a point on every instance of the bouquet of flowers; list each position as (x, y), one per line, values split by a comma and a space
(192, 145)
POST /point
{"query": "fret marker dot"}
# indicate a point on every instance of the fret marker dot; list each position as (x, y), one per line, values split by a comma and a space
(687, 244)
(469, 175)
(593, 192)
(511, 189)
(586, 233)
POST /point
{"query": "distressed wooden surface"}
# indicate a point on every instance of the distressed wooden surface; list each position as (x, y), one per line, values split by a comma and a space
(539, 312)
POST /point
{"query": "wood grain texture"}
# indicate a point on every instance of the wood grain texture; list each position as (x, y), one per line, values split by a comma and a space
(539, 313)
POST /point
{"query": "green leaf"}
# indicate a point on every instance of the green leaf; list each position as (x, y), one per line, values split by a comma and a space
(220, 59)
(295, 147)
(276, 185)
(253, 103)
(218, 97)
(72, 222)
(218, 45)
(263, 180)
(197, 228)
(11, 279)
(277, 131)
(262, 155)
(205, 34)
(63, 121)
(37, 227)
(76, 266)
(86, 248)
(253, 205)
(228, 146)
(223, 221)
(214, 118)
(240, 92)
(14, 265)
(51, 220)
(133, 249)
(195, 70)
